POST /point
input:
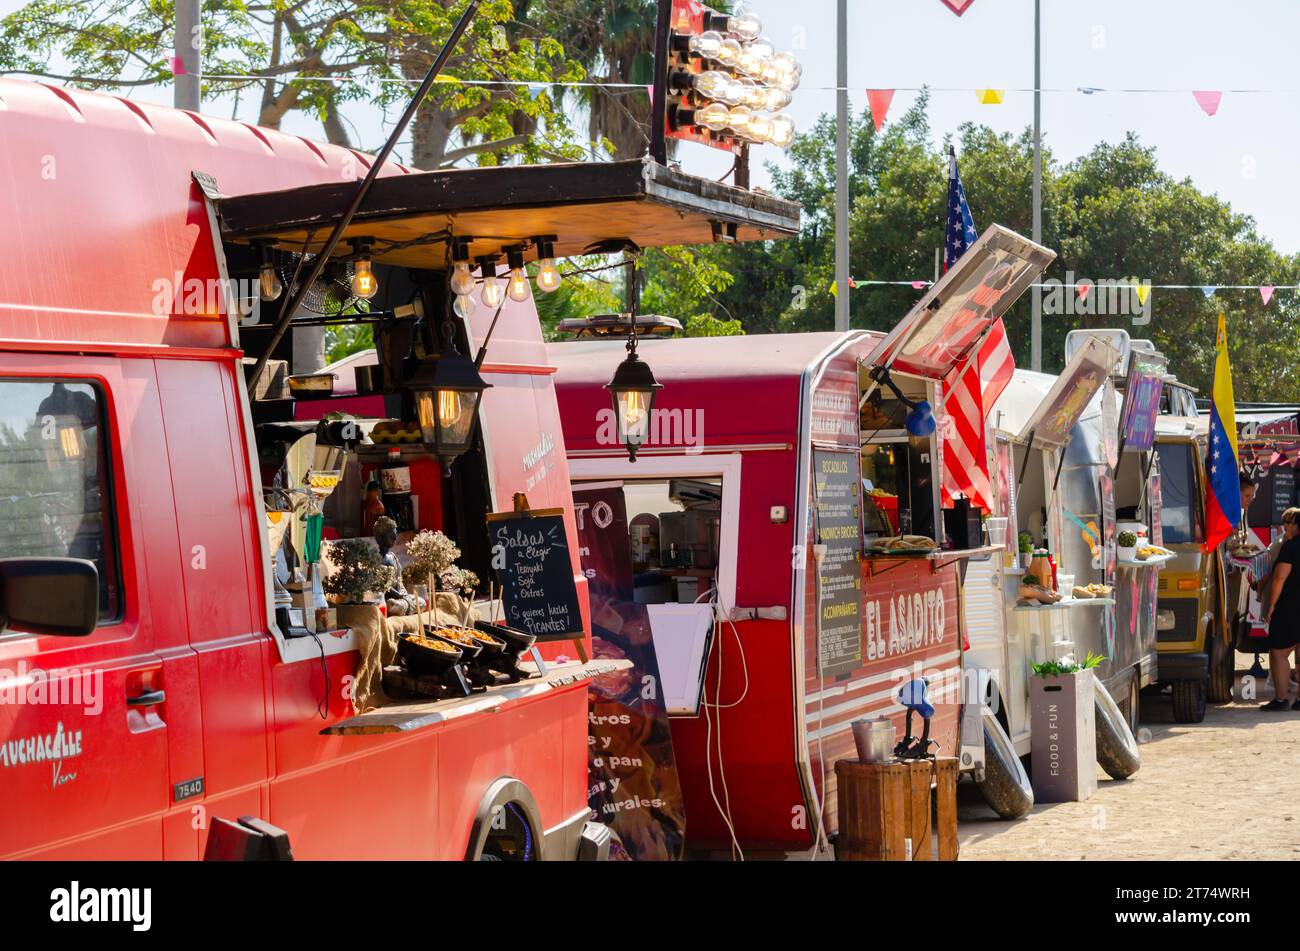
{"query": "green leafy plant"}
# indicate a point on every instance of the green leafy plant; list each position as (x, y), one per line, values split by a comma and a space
(1127, 540)
(359, 570)
(1066, 665)
(1026, 542)
(430, 553)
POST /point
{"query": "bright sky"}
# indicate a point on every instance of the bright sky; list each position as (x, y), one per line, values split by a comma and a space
(1243, 153)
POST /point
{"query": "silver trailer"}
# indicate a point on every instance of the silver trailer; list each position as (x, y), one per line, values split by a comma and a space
(1053, 446)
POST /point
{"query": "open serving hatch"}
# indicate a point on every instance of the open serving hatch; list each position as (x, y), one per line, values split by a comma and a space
(411, 217)
(949, 322)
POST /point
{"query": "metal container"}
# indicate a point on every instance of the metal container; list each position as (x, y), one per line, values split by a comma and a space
(368, 378)
(874, 738)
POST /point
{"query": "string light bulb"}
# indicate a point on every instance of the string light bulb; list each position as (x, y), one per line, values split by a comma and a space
(705, 44)
(269, 286)
(782, 131)
(463, 306)
(729, 52)
(548, 274)
(492, 294)
(462, 278)
(746, 26)
(713, 116)
(364, 283)
(517, 288)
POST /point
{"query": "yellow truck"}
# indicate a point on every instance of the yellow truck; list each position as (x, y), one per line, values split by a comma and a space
(1193, 630)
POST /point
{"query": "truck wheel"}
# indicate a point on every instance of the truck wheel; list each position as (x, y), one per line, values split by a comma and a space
(1131, 708)
(1006, 787)
(1223, 675)
(1117, 750)
(1189, 701)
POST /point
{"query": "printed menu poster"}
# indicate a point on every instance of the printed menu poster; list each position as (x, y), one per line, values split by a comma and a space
(837, 523)
(632, 785)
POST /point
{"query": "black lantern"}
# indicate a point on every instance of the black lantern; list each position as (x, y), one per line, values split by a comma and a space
(447, 390)
(633, 392)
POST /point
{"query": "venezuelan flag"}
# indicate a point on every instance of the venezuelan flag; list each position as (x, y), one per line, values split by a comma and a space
(1223, 493)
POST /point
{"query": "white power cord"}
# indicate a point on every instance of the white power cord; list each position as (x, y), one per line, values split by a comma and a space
(724, 805)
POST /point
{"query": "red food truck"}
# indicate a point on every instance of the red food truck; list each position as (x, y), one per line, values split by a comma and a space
(766, 509)
(129, 441)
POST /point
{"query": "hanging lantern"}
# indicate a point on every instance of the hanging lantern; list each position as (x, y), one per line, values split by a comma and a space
(447, 390)
(633, 394)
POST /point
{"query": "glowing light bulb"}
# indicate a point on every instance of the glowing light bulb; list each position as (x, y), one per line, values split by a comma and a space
(518, 288)
(713, 84)
(762, 48)
(462, 278)
(729, 51)
(706, 44)
(492, 294)
(760, 127)
(634, 410)
(746, 26)
(738, 119)
(364, 282)
(449, 407)
(713, 116)
(752, 94)
(269, 282)
(784, 62)
(548, 276)
(463, 306)
(782, 134)
(748, 63)
(774, 98)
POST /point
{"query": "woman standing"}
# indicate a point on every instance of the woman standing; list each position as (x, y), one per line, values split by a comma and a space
(1282, 615)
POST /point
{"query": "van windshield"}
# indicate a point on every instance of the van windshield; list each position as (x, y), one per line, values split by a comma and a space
(1180, 495)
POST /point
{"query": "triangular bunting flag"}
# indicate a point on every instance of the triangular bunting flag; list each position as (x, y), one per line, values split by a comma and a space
(178, 67)
(835, 288)
(1208, 99)
(879, 100)
(1082, 290)
(957, 6)
(1266, 292)
(918, 285)
(1143, 292)
(1208, 290)
(989, 97)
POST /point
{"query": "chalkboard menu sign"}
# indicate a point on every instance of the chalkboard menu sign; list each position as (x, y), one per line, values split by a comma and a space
(1283, 491)
(836, 514)
(530, 552)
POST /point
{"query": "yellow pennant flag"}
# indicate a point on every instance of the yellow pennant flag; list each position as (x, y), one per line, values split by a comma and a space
(835, 288)
(990, 97)
(1143, 292)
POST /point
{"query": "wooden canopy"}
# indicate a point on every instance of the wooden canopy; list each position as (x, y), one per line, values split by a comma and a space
(582, 204)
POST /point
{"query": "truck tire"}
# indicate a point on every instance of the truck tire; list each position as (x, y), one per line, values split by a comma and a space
(1005, 787)
(1117, 750)
(1189, 701)
(1131, 708)
(1223, 675)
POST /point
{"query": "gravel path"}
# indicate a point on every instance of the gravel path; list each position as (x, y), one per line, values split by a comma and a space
(1226, 788)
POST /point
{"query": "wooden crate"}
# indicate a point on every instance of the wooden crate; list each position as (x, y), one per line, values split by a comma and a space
(884, 805)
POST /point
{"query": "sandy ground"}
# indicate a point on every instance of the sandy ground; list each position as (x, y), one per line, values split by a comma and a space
(1226, 788)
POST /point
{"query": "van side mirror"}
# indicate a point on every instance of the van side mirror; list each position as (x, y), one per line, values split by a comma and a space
(49, 596)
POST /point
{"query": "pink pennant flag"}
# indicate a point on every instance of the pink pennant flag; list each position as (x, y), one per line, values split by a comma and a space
(1082, 290)
(879, 100)
(1266, 292)
(918, 285)
(178, 67)
(1208, 99)
(957, 6)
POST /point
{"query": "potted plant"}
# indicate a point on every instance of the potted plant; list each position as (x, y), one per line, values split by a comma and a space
(1063, 729)
(1127, 546)
(359, 572)
(430, 554)
(1026, 543)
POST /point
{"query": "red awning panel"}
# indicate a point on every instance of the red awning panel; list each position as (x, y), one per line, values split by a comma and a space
(938, 335)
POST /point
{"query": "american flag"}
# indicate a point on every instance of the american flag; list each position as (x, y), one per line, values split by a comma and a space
(969, 399)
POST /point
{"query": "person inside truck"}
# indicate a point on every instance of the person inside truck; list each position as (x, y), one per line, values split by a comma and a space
(1282, 618)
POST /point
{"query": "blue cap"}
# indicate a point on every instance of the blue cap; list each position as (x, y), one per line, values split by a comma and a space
(915, 695)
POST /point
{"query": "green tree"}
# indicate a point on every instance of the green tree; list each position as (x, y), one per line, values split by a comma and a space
(1110, 214)
(315, 56)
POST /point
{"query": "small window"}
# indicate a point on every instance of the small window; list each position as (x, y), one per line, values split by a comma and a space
(54, 479)
(1180, 497)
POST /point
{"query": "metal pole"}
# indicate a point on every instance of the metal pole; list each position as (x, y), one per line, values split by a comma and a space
(842, 166)
(1036, 326)
(659, 88)
(187, 85)
(318, 265)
